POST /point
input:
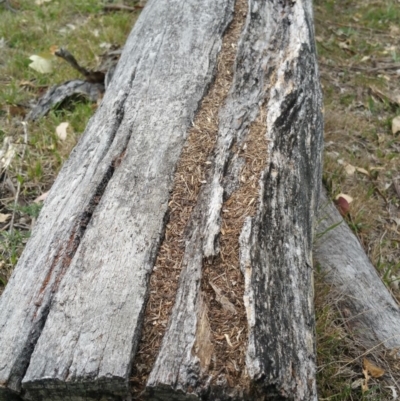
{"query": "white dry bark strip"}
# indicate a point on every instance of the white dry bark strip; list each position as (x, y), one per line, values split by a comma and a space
(276, 244)
(276, 70)
(77, 296)
(368, 309)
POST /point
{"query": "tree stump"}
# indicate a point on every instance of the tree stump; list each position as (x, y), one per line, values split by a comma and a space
(172, 257)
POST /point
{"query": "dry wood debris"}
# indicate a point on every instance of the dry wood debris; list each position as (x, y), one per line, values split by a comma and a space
(190, 174)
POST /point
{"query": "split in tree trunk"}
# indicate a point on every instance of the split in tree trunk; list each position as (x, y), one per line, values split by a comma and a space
(225, 201)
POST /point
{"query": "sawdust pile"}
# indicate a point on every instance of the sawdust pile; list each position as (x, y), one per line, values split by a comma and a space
(222, 279)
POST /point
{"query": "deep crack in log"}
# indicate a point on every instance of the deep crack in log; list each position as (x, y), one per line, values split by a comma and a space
(190, 174)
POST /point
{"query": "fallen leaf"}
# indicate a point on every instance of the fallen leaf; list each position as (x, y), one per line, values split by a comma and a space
(348, 198)
(350, 169)
(41, 198)
(394, 283)
(343, 206)
(357, 383)
(396, 125)
(394, 392)
(223, 300)
(15, 110)
(7, 153)
(4, 217)
(362, 171)
(53, 49)
(374, 370)
(61, 131)
(41, 2)
(344, 45)
(364, 385)
(394, 30)
(41, 64)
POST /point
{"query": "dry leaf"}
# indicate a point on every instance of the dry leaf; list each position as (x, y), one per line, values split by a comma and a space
(343, 206)
(394, 30)
(4, 217)
(223, 300)
(344, 196)
(53, 49)
(396, 125)
(374, 370)
(344, 46)
(342, 202)
(41, 198)
(357, 383)
(364, 385)
(7, 153)
(362, 171)
(350, 169)
(394, 392)
(41, 63)
(61, 131)
(41, 2)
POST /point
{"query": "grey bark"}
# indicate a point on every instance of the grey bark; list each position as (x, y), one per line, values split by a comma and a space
(73, 308)
(275, 68)
(368, 309)
(80, 285)
(59, 94)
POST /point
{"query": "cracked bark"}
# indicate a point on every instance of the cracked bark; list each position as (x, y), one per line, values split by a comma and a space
(71, 315)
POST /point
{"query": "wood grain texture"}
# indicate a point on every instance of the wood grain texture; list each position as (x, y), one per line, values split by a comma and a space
(60, 93)
(275, 71)
(70, 317)
(101, 225)
(368, 309)
(276, 244)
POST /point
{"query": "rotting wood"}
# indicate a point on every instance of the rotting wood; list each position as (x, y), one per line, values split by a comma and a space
(59, 94)
(275, 245)
(189, 177)
(276, 72)
(89, 338)
(253, 214)
(368, 309)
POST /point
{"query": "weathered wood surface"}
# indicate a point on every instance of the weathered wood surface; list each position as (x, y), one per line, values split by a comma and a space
(276, 75)
(58, 94)
(80, 285)
(367, 307)
(70, 317)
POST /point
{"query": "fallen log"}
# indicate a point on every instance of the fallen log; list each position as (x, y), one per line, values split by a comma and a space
(368, 309)
(117, 224)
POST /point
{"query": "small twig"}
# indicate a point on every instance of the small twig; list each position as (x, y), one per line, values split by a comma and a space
(359, 27)
(396, 184)
(121, 7)
(7, 6)
(91, 76)
(11, 229)
(368, 352)
(366, 70)
(5, 227)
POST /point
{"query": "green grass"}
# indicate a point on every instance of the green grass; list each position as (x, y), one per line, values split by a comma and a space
(84, 29)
